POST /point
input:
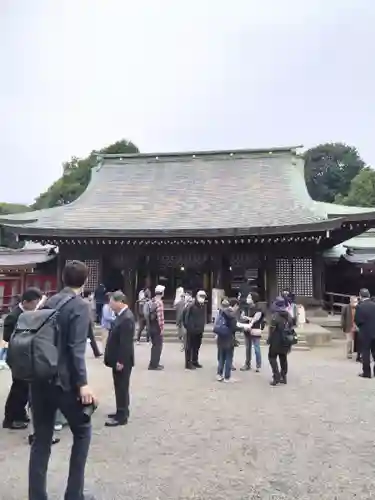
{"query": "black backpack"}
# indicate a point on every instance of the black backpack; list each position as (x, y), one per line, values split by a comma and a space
(33, 347)
(289, 335)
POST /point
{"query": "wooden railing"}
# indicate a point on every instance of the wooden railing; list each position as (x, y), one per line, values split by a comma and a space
(334, 302)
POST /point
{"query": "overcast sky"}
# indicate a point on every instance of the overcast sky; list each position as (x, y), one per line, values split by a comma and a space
(173, 75)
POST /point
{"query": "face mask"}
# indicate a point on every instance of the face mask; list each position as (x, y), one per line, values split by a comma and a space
(200, 300)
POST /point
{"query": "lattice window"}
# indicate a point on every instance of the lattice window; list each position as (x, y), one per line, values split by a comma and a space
(302, 277)
(295, 275)
(93, 273)
(283, 275)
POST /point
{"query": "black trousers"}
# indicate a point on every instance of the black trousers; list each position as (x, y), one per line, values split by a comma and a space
(46, 399)
(283, 359)
(192, 345)
(99, 310)
(15, 406)
(156, 348)
(93, 343)
(121, 381)
(142, 324)
(368, 350)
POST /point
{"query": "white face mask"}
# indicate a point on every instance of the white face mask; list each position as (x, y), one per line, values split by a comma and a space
(200, 300)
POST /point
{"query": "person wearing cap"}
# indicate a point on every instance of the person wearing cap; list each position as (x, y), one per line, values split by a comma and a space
(364, 318)
(281, 320)
(194, 320)
(154, 315)
(119, 355)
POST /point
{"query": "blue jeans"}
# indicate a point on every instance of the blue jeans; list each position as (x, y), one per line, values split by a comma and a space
(225, 360)
(251, 340)
(3, 353)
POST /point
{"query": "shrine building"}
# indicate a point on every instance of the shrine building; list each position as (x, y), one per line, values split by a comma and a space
(199, 220)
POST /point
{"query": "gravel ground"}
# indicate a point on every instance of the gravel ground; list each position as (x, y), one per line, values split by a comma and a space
(191, 437)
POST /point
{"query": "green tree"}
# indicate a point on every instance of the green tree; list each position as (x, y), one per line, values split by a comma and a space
(362, 190)
(76, 176)
(12, 208)
(329, 170)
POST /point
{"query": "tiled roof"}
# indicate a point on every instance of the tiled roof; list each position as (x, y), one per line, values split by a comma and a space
(187, 192)
(18, 258)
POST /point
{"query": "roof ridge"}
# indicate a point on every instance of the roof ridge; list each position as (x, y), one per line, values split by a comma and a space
(192, 153)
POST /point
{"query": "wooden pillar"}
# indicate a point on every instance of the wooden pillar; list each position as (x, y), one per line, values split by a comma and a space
(60, 264)
(129, 274)
(270, 278)
(318, 276)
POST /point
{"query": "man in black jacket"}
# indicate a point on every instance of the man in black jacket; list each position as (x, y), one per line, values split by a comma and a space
(364, 318)
(15, 416)
(194, 320)
(70, 392)
(119, 355)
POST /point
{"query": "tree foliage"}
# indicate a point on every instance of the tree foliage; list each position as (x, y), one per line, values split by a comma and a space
(76, 176)
(330, 169)
(362, 190)
(12, 208)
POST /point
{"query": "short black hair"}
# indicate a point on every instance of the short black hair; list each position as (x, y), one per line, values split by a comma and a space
(255, 296)
(75, 274)
(31, 294)
(234, 302)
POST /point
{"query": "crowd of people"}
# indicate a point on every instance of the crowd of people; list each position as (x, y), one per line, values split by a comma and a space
(44, 343)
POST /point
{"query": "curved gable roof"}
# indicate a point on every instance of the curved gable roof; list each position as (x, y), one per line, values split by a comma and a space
(246, 191)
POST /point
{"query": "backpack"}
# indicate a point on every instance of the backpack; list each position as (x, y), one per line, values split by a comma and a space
(220, 326)
(289, 335)
(150, 311)
(33, 347)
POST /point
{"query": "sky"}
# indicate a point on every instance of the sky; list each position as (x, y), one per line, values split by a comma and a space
(179, 75)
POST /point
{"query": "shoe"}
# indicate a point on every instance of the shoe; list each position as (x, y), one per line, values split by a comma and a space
(115, 423)
(233, 368)
(156, 368)
(138, 342)
(197, 365)
(99, 355)
(190, 367)
(219, 378)
(15, 426)
(274, 382)
(30, 439)
(283, 379)
(257, 370)
(58, 427)
(112, 415)
(230, 380)
(363, 375)
(245, 368)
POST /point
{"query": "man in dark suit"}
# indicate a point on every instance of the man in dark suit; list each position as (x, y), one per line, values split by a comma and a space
(364, 318)
(70, 393)
(119, 355)
(15, 416)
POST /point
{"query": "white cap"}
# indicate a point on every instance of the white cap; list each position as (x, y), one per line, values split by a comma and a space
(202, 293)
(159, 289)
